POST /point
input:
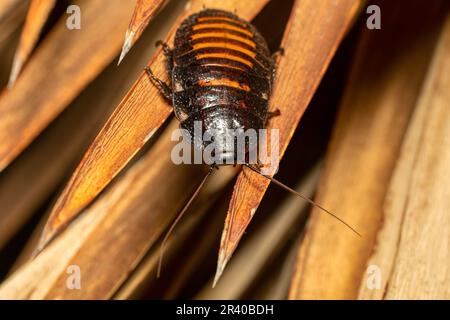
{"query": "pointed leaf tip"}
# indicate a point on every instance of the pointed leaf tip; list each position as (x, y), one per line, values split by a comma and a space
(144, 12)
(37, 16)
(128, 43)
(308, 19)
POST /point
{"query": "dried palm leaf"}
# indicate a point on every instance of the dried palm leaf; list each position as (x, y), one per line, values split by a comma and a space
(412, 256)
(61, 67)
(144, 11)
(300, 70)
(374, 115)
(37, 16)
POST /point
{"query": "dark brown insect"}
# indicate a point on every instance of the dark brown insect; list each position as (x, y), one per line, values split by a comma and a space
(222, 74)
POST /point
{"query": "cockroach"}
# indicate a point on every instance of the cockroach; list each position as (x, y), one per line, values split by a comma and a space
(221, 75)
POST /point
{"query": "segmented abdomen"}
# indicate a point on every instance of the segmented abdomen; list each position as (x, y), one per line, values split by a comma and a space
(220, 60)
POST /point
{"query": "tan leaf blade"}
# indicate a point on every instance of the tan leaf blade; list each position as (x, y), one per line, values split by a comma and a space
(144, 11)
(18, 198)
(373, 117)
(6, 7)
(314, 31)
(411, 252)
(241, 273)
(51, 81)
(142, 111)
(12, 14)
(117, 229)
(37, 16)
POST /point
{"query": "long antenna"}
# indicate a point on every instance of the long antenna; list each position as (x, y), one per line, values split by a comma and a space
(180, 215)
(282, 185)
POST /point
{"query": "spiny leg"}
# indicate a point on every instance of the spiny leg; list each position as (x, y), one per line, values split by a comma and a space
(259, 165)
(161, 85)
(275, 58)
(272, 114)
(168, 54)
(278, 53)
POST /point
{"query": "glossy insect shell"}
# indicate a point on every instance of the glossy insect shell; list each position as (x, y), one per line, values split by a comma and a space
(221, 76)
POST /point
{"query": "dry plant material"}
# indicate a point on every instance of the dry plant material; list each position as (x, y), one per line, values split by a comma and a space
(61, 67)
(12, 13)
(6, 8)
(373, 118)
(144, 11)
(18, 197)
(79, 124)
(314, 31)
(412, 253)
(241, 273)
(118, 229)
(37, 16)
(178, 266)
(142, 111)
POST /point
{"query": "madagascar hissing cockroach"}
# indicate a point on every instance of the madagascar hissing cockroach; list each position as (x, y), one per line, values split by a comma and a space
(221, 75)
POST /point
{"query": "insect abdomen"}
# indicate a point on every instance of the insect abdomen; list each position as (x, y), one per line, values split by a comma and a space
(220, 59)
(222, 73)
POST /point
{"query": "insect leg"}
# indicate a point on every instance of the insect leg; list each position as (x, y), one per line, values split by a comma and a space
(272, 114)
(161, 85)
(275, 59)
(168, 54)
(278, 53)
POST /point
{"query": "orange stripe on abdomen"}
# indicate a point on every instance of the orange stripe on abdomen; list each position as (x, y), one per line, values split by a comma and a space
(222, 26)
(224, 55)
(223, 35)
(224, 82)
(225, 45)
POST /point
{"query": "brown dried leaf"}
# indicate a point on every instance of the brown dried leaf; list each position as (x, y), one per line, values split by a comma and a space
(314, 31)
(144, 11)
(6, 8)
(37, 16)
(118, 229)
(374, 115)
(199, 227)
(19, 198)
(12, 13)
(61, 67)
(142, 111)
(412, 251)
(241, 273)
